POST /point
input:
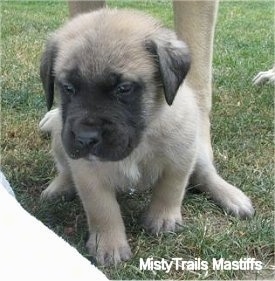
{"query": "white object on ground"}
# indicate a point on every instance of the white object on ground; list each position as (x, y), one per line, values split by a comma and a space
(265, 76)
(31, 251)
(6, 184)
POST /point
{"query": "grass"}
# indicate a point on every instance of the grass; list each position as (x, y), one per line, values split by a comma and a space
(242, 139)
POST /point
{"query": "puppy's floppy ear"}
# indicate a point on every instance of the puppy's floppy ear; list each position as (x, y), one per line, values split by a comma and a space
(46, 71)
(173, 59)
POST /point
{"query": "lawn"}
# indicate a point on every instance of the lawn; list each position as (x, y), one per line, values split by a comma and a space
(242, 134)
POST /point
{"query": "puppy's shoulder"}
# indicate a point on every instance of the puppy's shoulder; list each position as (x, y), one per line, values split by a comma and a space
(181, 116)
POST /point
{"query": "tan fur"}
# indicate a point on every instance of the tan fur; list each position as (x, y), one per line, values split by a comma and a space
(172, 148)
(199, 17)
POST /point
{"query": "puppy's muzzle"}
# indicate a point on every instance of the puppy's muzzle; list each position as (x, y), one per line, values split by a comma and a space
(103, 139)
(87, 136)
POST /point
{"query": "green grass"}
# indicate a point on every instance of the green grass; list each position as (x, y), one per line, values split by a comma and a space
(241, 129)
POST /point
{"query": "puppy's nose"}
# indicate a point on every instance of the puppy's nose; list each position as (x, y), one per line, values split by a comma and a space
(88, 137)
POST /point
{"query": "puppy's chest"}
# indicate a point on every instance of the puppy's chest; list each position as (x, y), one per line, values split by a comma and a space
(139, 174)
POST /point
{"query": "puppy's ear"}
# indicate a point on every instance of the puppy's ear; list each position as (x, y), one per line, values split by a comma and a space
(173, 60)
(46, 71)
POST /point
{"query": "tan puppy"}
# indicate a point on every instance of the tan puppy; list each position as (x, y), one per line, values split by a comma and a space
(126, 119)
(190, 17)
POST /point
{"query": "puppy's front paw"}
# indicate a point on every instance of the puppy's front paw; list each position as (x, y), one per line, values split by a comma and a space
(109, 248)
(162, 221)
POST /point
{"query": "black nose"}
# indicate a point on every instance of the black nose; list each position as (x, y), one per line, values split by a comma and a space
(88, 137)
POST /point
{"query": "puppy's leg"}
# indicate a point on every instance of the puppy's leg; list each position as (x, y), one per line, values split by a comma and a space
(63, 183)
(78, 7)
(107, 241)
(164, 212)
(229, 197)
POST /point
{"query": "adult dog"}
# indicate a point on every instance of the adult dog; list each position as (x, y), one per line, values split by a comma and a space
(126, 119)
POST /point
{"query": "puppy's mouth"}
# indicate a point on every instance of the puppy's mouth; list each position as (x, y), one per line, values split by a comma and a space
(95, 156)
(113, 149)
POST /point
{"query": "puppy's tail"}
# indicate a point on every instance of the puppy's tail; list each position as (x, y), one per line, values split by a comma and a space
(47, 123)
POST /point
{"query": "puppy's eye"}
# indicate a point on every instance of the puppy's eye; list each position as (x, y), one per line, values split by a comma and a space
(68, 88)
(124, 88)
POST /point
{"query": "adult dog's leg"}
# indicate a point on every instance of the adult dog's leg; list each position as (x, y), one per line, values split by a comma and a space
(195, 23)
(78, 7)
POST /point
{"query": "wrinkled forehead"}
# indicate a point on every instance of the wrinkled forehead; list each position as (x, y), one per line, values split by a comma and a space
(93, 56)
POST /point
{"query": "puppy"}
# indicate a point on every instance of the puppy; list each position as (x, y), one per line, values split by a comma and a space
(126, 119)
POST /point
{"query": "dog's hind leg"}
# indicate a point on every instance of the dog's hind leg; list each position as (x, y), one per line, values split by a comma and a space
(230, 198)
(62, 185)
